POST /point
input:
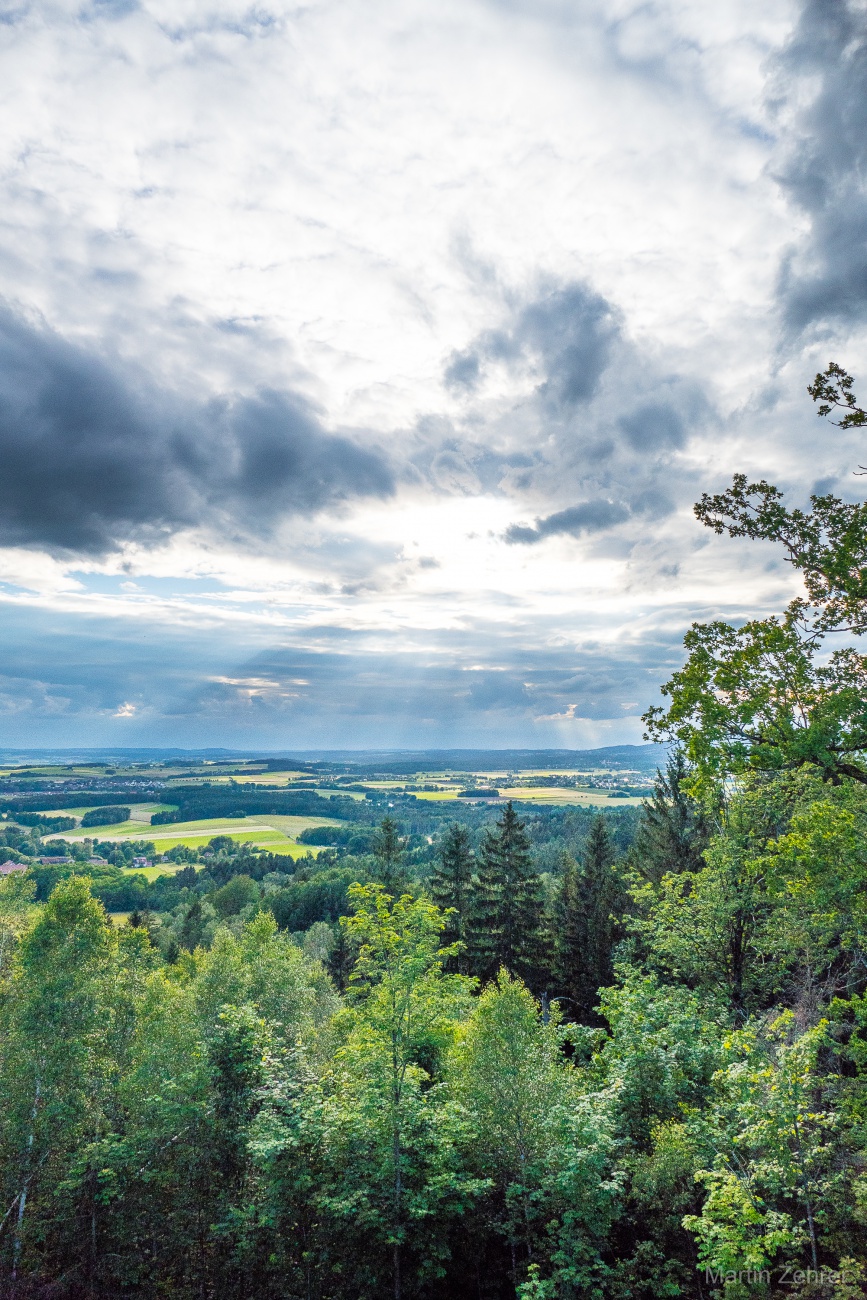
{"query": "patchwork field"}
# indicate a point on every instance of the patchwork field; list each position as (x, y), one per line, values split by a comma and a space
(254, 778)
(140, 813)
(567, 795)
(547, 795)
(265, 837)
(276, 834)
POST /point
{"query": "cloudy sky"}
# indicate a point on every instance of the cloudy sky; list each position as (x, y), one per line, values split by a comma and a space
(360, 360)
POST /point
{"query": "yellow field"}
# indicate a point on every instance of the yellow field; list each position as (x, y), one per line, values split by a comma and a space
(548, 795)
(346, 794)
(567, 795)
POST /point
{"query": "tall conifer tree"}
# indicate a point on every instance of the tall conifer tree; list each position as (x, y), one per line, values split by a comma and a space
(388, 851)
(451, 882)
(569, 937)
(585, 921)
(507, 908)
(674, 831)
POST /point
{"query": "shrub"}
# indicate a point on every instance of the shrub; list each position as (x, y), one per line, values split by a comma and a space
(108, 816)
(45, 825)
(235, 896)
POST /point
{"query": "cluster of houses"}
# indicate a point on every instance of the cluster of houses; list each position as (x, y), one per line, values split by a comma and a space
(6, 868)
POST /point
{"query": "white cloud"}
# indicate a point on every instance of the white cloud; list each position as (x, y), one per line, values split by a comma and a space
(338, 199)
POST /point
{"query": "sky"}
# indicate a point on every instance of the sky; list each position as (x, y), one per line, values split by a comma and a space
(361, 360)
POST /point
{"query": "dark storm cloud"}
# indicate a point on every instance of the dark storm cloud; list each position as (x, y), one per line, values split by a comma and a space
(595, 441)
(653, 427)
(589, 517)
(570, 331)
(91, 458)
(464, 370)
(826, 168)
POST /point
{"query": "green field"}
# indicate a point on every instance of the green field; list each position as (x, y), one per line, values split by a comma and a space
(257, 778)
(140, 813)
(285, 848)
(270, 840)
(161, 869)
(274, 834)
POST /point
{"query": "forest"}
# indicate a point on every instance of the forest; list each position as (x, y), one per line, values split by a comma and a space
(580, 1057)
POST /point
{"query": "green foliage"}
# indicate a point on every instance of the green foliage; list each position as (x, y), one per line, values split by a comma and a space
(181, 853)
(664, 1047)
(659, 1093)
(834, 388)
(542, 1141)
(388, 850)
(17, 893)
(775, 1175)
(777, 909)
(240, 892)
(45, 825)
(451, 882)
(586, 910)
(304, 902)
(674, 830)
(711, 928)
(390, 1176)
(507, 905)
(767, 696)
(108, 816)
(763, 697)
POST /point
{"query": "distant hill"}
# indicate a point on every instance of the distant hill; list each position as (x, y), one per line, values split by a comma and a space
(138, 755)
(642, 758)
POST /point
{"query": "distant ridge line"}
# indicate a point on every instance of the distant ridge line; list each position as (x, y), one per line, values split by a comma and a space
(638, 757)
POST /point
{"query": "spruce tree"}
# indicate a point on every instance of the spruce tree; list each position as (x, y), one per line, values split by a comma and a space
(450, 884)
(193, 926)
(388, 851)
(674, 831)
(507, 907)
(586, 926)
(569, 937)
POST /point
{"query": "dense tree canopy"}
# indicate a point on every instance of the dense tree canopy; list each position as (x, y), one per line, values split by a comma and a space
(509, 1059)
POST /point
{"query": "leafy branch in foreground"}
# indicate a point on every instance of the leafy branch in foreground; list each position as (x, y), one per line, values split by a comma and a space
(834, 388)
(765, 696)
(828, 544)
(756, 698)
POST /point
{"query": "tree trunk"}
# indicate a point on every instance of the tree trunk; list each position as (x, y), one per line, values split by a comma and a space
(809, 1207)
(398, 1193)
(22, 1197)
